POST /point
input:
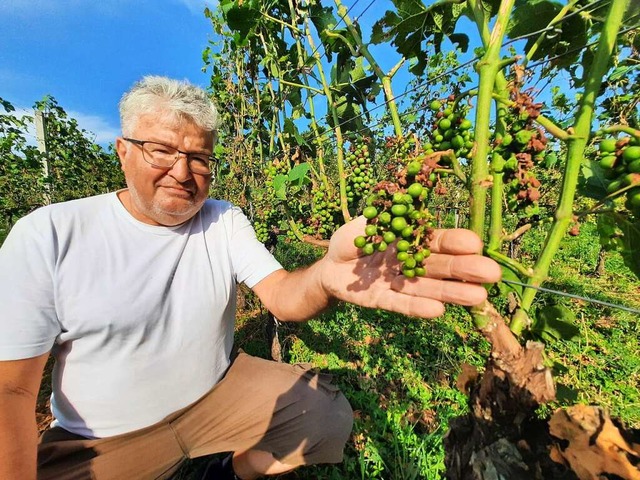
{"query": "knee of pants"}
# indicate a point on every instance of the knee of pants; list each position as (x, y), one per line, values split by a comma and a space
(316, 425)
(327, 422)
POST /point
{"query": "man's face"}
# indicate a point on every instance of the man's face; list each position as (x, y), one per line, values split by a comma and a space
(161, 196)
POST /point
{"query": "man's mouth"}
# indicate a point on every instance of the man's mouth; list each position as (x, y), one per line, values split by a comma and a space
(178, 191)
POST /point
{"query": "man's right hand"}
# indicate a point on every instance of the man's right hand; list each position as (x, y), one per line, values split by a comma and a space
(19, 385)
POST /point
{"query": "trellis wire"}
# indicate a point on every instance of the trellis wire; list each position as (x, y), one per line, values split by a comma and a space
(337, 25)
(621, 32)
(571, 295)
(424, 107)
(551, 27)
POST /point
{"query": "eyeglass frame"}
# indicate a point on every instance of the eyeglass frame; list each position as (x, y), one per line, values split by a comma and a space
(141, 143)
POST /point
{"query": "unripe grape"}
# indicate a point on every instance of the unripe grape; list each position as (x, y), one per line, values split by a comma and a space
(398, 224)
(370, 212)
(389, 236)
(360, 241)
(414, 168)
(370, 230)
(368, 249)
(402, 256)
(415, 190)
(384, 218)
(399, 210)
(403, 245)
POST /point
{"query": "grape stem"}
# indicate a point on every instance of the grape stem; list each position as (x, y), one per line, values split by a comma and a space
(502, 258)
(622, 128)
(611, 196)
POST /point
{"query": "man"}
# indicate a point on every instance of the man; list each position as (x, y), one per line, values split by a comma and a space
(133, 293)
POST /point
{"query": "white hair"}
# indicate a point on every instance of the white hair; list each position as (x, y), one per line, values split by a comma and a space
(166, 96)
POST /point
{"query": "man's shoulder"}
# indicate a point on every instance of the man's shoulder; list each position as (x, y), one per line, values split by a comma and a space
(62, 212)
(214, 209)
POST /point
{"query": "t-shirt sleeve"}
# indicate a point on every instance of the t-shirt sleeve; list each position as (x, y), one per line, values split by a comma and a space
(250, 259)
(28, 320)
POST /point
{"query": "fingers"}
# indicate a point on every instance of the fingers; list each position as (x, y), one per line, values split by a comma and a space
(469, 268)
(412, 306)
(444, 291)
(457, 241)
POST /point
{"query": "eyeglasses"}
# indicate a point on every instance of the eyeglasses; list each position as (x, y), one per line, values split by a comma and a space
(166, 156)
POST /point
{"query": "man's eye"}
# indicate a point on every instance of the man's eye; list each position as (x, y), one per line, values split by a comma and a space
(200, 159)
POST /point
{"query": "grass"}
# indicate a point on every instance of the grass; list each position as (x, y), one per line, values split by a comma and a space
(399, 373)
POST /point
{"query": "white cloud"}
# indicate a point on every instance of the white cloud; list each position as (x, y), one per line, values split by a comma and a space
(98, 129)
(196, 7)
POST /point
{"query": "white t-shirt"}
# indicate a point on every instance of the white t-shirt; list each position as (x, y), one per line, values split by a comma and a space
(140, 318)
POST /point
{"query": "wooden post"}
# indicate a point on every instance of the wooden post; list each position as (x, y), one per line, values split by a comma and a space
(41, 138)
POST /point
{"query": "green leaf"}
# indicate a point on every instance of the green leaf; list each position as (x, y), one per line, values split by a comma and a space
(565, 43)
(241, 17)
(630, 242)
(280, 186)
(555, 322)
(566, 395)
(509, 274)
(298, 174)
(593, 182)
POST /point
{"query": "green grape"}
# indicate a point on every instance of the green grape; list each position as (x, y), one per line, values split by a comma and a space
(415, 190)
(608, 145)
(370, 230)
(370, 212)
(398, 210)
(410, 262)
(384, 218)
(403, 245)
(368, 249)
(389, 236)
(414, 168)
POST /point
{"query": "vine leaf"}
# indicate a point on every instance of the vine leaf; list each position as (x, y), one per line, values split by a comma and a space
(555, 322)
(630, 242)
(280, 186)
(564, 42)
(413, 23)
(241, 17)
(594, 183)
(298, 175)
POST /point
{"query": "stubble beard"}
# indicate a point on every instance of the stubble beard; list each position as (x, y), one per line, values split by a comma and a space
(156, 212)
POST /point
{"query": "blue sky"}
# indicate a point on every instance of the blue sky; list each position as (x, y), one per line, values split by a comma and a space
(86, 53)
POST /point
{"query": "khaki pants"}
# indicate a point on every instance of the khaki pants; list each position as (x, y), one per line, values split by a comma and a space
(287, 410)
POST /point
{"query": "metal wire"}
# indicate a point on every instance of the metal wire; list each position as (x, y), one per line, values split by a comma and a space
(551, 27)
(571, 295)
(337, 25)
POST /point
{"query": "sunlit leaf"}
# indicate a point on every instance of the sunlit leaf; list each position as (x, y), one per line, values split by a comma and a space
(555, 322)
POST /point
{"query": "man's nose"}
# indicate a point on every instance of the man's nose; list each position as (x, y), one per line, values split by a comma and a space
(180, 170)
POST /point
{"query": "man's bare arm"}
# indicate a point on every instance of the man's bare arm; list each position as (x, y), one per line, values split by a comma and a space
(455, 273)
(19, 385)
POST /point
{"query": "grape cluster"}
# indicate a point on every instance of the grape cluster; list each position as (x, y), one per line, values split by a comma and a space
(325, 214)
(620, 160)
(396, 212)
(361, 178)
(518, 151)
(451, 130)
(261, 226)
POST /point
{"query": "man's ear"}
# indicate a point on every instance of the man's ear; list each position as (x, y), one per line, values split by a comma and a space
(121, 150)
